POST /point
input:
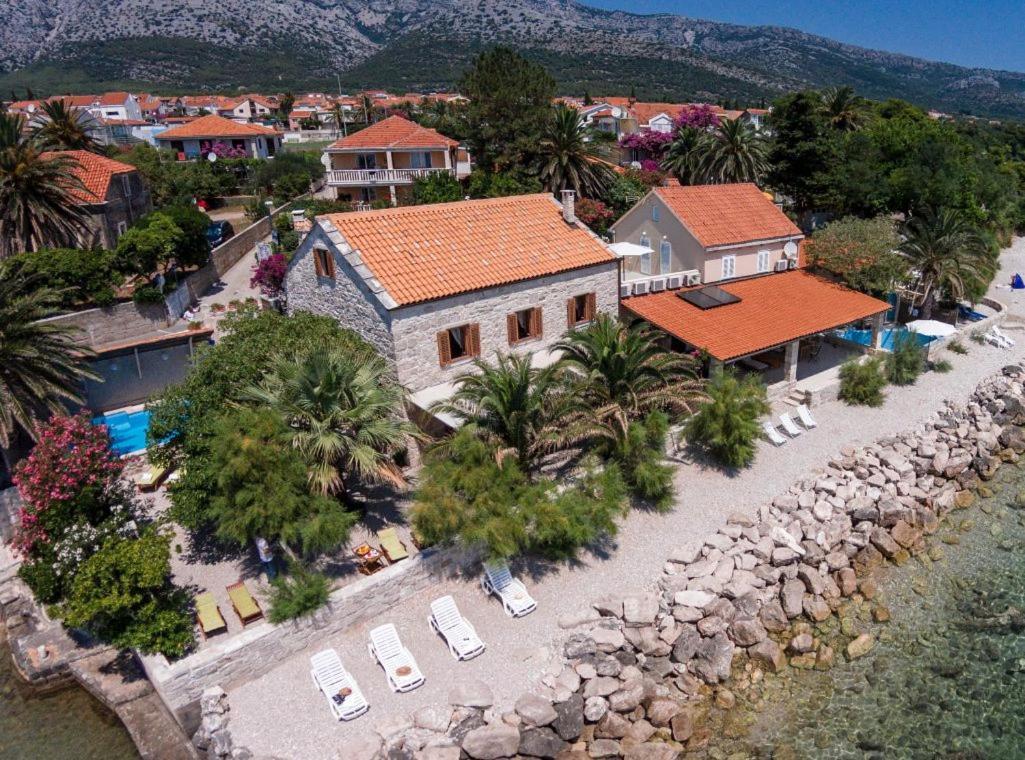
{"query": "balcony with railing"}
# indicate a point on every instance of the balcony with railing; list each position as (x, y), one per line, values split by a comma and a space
(374, 177)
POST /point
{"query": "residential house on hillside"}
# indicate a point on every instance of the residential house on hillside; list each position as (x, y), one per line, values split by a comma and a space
(381, 162)
(718, 269)
(434, 287)
(117, 105)
(216, 134)
(113, 196)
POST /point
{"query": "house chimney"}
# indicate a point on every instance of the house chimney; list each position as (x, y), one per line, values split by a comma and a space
(569, 212)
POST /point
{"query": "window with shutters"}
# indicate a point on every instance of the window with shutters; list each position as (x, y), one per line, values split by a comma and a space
(524, 325)
(580, 309)
(458, 344)
(323, 263)
(729, 266)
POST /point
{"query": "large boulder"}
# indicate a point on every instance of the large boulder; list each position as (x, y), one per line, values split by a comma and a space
(747, 631)
(491, 742)
(569, 720)
(541, 742)
(471, 693)
(640, 609)
(792, 597)
(713, 658)
(534, 710)
(628, 697)
(768, 654)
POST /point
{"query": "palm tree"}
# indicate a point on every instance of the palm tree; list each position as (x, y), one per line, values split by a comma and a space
(41, 366)
(516, 407)
(622, 373)
(338, 116)
(567, 160)
(732, 151)
(346, 414)
(680, 157)
(58, 126)
(38, 207)
(948, 254)
(844, 109)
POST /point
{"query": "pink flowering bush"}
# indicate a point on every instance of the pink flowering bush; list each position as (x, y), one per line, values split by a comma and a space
(647, 165)
(594, 214)
(701, 116)
(269, 274)
(654, 144)
(222, 150)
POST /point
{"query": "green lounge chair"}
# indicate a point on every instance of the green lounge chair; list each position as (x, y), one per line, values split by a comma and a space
(391, 546)
(243, 603)
(208, 615)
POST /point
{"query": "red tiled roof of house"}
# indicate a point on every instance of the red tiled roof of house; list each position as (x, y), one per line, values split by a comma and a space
(95, 173)
(213, 126)
(75, 101)
(419, 253)
(394, 132)
(113, 98)
(774, 309)
(727, 214)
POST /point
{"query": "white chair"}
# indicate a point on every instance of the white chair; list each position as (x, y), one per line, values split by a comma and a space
(772, 434)
(399, 666)
(804, 414)
(463, 641)
(1003, 336)
(331, 677)
(498, 580)
(996, 340)
(788, 425)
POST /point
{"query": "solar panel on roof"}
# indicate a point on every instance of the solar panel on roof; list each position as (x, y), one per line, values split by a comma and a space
(708, 297)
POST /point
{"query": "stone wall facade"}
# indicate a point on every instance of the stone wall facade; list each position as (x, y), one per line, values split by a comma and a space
(114, 324)
(415, 328)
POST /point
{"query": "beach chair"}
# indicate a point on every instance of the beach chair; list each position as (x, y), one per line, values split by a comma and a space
(772, 434)
(460, 636)
(151, 478)
(339, 688)
(208, 615)
(996, 340)
(391, 546)
(243, 603)
(1003, 336)
(804, 415)
(399, 666)
(498, 580)
(787, 423)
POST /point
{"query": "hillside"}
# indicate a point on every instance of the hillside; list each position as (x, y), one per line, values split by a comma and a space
(60, 45)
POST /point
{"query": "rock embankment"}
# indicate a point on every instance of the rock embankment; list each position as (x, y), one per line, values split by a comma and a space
(751, 599)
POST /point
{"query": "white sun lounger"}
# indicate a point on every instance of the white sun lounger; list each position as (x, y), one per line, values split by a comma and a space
(804, 415)
(498, 580)
(996, 340)
(463, 641)
(772, 434)
(788, 425)
(1003, 336)
(330, 676)
(399, 666)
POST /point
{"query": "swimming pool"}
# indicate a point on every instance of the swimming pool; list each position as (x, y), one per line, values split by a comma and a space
(127, 430)
(864, 337)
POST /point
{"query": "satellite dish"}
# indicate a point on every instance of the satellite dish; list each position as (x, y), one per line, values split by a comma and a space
(211, 157)
(790, 249)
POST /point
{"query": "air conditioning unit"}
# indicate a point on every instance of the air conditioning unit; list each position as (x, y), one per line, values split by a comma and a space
(674, 281)
(692, 278)
(625, 290)
(782, 265)
(640, 288)
(659, 283)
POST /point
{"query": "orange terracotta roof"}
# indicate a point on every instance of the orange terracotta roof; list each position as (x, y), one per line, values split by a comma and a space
(773, 309)
(75, 101)
(113, 98)
(213, 126)
(95, 172)
(419, 253)
(394, 132)
(727, 214)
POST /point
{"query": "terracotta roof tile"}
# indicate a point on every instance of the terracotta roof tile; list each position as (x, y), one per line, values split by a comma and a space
(774, 309)
(113, 98)
(213, 126)
(419, 253)
(394, 132)
(95, 172)
(727, 214)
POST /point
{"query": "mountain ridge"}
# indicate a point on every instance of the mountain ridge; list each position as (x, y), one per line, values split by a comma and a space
(245, 43)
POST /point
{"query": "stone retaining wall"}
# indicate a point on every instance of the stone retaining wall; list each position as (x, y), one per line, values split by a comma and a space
(259, 648)
(114, 324)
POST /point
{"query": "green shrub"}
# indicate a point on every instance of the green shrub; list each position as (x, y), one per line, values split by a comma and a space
(978, 336)
(39, 575)
(298, 594)
(727, 425)
(942, 366)
(641, 458)
(862, 383)
(84, 277)
(147, 294)
(906, 362)
(957, 347)
(438, 187)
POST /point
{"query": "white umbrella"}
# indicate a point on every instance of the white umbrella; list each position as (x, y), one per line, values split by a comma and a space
(931, 327)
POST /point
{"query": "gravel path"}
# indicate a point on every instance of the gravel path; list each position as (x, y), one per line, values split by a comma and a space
(282, 715)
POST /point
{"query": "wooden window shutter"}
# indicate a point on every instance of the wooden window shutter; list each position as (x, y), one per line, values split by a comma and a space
(473, 340)
(589, 307)
(512, 327)
(317, 263)
(444, 349)
(571, 312)
(329, 262)
(536, 323)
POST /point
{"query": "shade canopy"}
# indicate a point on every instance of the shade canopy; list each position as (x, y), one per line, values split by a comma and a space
(931, 327)
(629, 249)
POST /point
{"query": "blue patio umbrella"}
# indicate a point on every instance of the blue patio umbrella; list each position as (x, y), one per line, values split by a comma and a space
(1017, 283)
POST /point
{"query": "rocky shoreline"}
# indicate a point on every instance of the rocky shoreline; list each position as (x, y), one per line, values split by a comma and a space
(761, 594)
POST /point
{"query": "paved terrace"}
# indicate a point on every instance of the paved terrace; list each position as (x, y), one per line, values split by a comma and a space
(281, 714)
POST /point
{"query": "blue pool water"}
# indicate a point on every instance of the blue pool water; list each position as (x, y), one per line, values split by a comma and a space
(864, 337)
(127, 430)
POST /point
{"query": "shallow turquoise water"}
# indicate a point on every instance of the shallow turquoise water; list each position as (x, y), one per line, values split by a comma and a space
(947, 676)
(66, 724)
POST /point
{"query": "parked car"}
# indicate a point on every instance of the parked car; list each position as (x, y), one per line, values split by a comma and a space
(219, 232)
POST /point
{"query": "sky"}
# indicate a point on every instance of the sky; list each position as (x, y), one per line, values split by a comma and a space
(982, 33)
